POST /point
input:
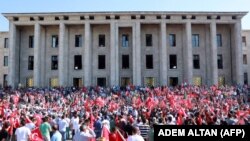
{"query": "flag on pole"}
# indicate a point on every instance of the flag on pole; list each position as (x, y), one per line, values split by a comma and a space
(105, 132)
(119, 136)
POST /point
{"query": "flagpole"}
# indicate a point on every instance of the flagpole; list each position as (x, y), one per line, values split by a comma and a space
(118, 130)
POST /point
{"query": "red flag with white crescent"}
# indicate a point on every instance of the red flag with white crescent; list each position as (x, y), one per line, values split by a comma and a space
(15, 99)
(100, 102)
(36, 135)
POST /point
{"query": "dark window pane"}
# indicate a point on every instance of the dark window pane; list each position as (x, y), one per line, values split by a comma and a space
(149, 62)
(5, 80)
(172, 40)
(245, 59)
(31, 63)
(101, 62)
(78, 62)
(149, 40)
(78, 40)
(245, 78)
(6, 42)
(54, 62)
(244, 41)
(101, 40)
(220, 62)
(173, 61)
(219, 40)
(5, 61)
(31, 41)
(125, 61)
(196, 61)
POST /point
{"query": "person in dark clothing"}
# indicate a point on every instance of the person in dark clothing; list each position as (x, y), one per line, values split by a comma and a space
(4, 135)
(98, 127)
(128, 129)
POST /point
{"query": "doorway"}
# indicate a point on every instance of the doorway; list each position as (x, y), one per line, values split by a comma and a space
(101, 81)
(173, 81)
(77, 82)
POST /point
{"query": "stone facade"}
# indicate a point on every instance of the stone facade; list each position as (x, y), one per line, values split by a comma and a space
(156, 36)
(246, 52)
(4, 51)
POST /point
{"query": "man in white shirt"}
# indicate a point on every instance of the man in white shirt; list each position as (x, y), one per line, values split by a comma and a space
(22, 133)
(31, 125)
(135, 135)
(67, 128)
(63, 124)
(170, 120)
(56, 135)
(85, 134)
(75, 124)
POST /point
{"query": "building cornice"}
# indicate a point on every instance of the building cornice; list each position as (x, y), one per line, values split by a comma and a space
(141, 16)
(242, 13)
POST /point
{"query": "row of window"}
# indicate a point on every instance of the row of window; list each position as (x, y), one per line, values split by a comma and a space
(124, 43)
(125, 62)
(196, 40)
(148, 81)
(125, 40)
(101, 81)
(196, 61)
(149, 40)
(54, 41)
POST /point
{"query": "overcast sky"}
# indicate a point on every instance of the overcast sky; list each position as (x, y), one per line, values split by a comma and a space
(21, 6)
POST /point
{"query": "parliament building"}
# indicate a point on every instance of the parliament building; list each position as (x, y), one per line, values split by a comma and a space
(121, 48)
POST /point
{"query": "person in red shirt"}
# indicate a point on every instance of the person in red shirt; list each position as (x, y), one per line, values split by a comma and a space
(112, 135)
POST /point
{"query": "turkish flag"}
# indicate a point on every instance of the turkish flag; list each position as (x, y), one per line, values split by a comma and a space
(112, 106)
(14, 114)
(15, 99)
(163, 104)
(105, 133)
(36, 135)
(1, 110)
(38, 119)
(179, 120)
(100, 102)
(88, 104)
(119, 136)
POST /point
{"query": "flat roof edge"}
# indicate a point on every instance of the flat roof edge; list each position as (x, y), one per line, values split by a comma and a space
(127, 12)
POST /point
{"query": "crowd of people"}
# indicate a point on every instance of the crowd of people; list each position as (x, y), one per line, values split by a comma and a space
(116, 113)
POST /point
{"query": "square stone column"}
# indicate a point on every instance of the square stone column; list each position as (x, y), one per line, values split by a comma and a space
(87, 55)
(163, 54)
(188, 57)
(13, 55)
(63, 55)
(214, 55)
(137, 54)
(238, 52)
(114, 54)
(37, 55)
